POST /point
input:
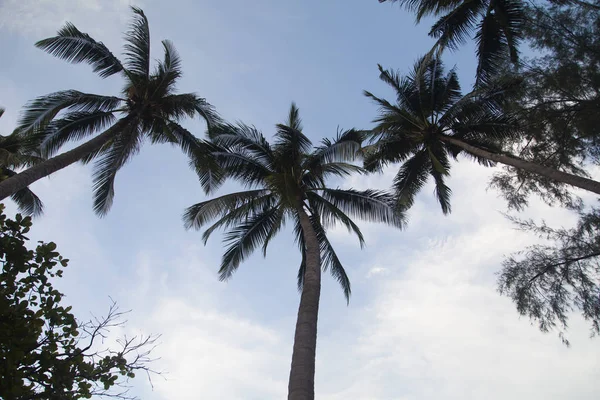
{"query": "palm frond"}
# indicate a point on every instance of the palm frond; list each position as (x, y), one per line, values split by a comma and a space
(411, 178)
(454, 28)
(368, 205)
(329, 259)
(137, 49)
(511, 16)
(290, 142)
(40, 111)
(73, 126)
(199, 214)
(490, 98)
(294, 121)
(439, 169)
(240, 214)
(27, 201)
(168, 71)
(242, 167)
(244, 238)
(387, 151)
(245, 137)
(485, 125)
(492, 49)
(123, 146)
(278, 223)
(345, 147)
(208, 112)
(331, 215)
(299, 237)
(74, 46)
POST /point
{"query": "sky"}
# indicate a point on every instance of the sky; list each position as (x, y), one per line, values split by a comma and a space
(425, 320)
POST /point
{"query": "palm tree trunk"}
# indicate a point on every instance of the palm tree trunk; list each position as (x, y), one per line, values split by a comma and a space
(302, 375)
(551, 173)
(45, 168)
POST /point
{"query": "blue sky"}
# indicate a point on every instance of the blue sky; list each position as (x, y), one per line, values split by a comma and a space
(424, 321)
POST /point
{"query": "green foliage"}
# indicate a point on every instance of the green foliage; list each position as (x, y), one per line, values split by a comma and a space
(149, 107)
(558, 103)
(549, 281)
(47, 353)
(281, 179)
(16, 151)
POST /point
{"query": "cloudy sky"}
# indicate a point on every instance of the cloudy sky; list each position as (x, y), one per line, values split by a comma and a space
(425, 320)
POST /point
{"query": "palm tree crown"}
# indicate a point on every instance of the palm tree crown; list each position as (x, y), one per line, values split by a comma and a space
(283, 179)
(497, 25)
(15, 153)
(430, 115)
(149, 107)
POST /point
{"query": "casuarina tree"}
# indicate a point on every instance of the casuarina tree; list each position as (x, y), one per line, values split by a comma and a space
(287, 182)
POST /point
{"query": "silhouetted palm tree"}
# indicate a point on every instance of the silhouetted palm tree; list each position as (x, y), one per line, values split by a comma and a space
(432, 121)
(148, 109)
(287, 181)
(15, 153)
(497, 25)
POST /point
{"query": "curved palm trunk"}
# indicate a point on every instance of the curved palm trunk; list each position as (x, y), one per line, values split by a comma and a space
(45, 168)
(551, 173)
(302, 375)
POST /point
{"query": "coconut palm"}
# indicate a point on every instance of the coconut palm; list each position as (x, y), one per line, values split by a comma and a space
(148, 108)
(15, 152)
(287, 181)
(431, 121)
(497, 25)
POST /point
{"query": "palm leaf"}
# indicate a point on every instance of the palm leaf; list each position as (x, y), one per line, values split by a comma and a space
(278, 223)
(492, 49)
(121, 149)
(72, 127)
(244, 238)
(199, 214)
(245, 137)
(137, 49)
(440, 166)
(74, 46)
(411, 178)
(168, 70)
(331, 216)
(345, 147)
(510, 15)
(39, 112)
(240, 214)
(27, 202)
(369, 205)
(329, 259)
(454, 28)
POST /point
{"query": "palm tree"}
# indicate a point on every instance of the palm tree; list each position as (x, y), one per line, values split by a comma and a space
(432, 121)
(286, 181)
(497, 23)
(149, 108)
(16, 153)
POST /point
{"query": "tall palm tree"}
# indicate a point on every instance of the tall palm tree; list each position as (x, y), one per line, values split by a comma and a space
(497, 25)
(148, 108)
(286, 181)
(15, 152)
(432, 121)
